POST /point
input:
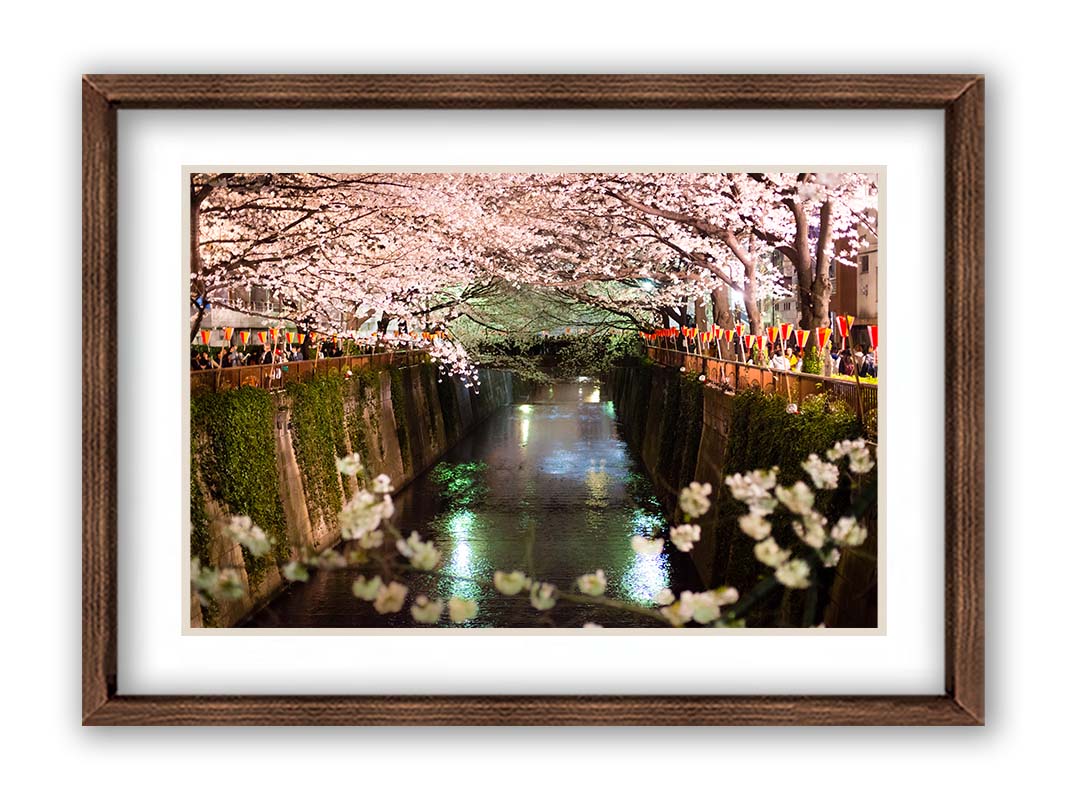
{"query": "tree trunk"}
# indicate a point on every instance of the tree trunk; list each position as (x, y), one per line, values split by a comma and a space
(700, 315)
(820, 285)
(724, 318)
(800, 255)
(755, 318)
(195, 262)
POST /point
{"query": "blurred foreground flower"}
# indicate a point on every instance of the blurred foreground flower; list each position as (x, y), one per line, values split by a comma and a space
(509, 583)
(593, 584)
(460, 610)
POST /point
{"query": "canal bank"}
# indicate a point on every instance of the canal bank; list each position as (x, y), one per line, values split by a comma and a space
(270, 456)
(687, 430)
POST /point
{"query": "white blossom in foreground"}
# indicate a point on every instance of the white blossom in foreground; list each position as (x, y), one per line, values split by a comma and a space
(372, 539)
(860, 461)
(350, 464)
(705, 607)
(752, 486)
(542, 596)
(214, 584)
(674, 615)
(799, 498)
(832, 558)
(768, 552)
(593, 584)
(509, 583)
(386, 507)
(811, 530)
(726, 595)
(382, 485)
(693, 499)
(295, 571)
(390, 598)
(700, 607)
(426, 611)
(849, 532)
(664, 598)
(422, 555)
(823, 474)
(794, 574)
(762, 506)
(684, 536)
(245, 533)
(362, 514)
(366, 589)
(754, 525)
(460, 609)
(646, 547)
(859, 457)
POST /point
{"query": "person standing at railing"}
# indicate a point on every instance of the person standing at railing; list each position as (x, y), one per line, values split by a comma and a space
(845, 364)
(869, 367)
(779, 361)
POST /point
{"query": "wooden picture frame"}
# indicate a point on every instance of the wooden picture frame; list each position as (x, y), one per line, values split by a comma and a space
(961, 98)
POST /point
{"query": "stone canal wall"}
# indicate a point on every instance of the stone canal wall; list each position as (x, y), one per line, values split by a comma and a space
(686, 431)
(270, 456)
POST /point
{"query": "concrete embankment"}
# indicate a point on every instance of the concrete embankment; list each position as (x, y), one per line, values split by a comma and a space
(270, 456)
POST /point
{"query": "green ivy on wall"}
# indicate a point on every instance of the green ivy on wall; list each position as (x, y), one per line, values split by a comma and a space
(398, 394)
(232, 435)
(357, 398)
(318, 425)
(200, 525)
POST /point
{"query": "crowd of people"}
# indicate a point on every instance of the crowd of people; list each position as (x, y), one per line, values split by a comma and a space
(843, 362)
(230, 356)
(861, 360)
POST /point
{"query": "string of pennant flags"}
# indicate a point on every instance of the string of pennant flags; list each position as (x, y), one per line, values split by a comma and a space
(775, 334)
(276, 335)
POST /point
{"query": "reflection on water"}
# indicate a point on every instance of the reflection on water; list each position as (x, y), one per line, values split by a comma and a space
(548, 487)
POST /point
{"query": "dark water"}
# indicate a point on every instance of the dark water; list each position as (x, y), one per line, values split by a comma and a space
(548, 487)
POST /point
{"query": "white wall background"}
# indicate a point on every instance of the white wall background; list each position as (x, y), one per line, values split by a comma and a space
(45, 51)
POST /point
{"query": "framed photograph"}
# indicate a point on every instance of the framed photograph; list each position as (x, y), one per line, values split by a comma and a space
(533, 399)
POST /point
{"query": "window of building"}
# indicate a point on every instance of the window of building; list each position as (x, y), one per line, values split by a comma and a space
(865, 263)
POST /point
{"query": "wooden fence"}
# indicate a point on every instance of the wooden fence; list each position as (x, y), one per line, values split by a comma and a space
(796, 386)
(276, 376)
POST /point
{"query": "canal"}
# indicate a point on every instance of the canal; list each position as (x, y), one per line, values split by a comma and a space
(549, 487)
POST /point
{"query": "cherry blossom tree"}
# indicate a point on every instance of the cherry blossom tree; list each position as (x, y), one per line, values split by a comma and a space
(426, 249)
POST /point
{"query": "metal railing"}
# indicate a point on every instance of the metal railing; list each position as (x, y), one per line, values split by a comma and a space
(276, 376)
(796, 386)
